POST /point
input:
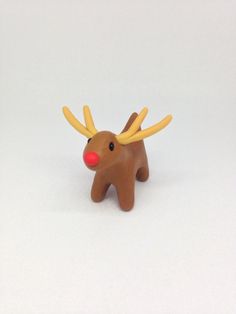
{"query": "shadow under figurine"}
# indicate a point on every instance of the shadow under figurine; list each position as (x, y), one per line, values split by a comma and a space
(117, 159)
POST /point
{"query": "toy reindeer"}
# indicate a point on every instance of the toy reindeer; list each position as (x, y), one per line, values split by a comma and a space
(117, 159)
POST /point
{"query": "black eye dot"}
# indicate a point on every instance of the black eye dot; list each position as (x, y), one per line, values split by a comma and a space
(111, 146)
(89, 140)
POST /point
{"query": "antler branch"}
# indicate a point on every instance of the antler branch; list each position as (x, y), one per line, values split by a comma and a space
(89, 120)
(122, 138)
(76, 124)
(132, 135)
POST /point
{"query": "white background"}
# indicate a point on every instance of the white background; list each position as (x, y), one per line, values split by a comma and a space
(175, 253)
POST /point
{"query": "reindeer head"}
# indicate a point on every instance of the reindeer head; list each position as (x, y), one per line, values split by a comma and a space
(105, 148)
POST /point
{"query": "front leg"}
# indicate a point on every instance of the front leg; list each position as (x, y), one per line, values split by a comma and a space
(125, 193)
(99, 188)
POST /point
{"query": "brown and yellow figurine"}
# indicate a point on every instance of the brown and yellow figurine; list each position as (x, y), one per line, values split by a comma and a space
(117, 159)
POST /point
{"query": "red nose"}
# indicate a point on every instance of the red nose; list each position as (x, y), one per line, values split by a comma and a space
(91, 159)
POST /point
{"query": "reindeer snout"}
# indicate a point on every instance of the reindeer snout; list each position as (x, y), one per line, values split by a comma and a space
(91, 159)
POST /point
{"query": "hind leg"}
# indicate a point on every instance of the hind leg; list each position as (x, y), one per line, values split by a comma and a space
(142, 173)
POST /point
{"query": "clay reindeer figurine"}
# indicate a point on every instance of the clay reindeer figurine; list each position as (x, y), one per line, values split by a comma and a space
(117, 159)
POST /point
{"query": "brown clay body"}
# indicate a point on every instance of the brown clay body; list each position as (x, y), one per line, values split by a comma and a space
(119, 167)
(117, 159)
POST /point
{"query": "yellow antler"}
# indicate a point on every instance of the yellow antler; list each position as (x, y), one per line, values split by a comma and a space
(89, 120)
(122, 138)
(79, 126)
(132, 135)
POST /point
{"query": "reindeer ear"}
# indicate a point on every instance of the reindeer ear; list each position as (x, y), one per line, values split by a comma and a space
(130, 121)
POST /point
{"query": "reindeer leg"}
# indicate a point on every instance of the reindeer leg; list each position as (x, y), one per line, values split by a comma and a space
(142, 173)
(99, 189)
(125, 193)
